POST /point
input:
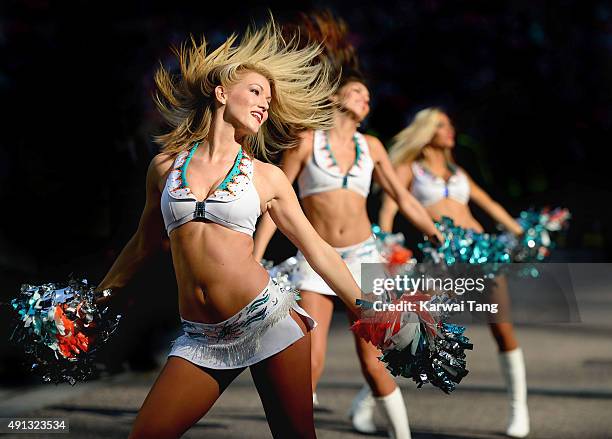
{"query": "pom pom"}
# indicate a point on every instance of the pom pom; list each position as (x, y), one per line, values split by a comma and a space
(391, 246)
(438, 360)
(536, 243)
(60, 328)
(282, 274)
(416, 344)
(467, 246)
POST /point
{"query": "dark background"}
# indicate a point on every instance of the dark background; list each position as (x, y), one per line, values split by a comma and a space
(527, 84)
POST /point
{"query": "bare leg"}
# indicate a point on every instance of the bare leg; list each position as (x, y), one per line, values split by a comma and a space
(374, 371)
(504, 336)
(284, 385)
(502, 328)
(320, 307)
(181, 395)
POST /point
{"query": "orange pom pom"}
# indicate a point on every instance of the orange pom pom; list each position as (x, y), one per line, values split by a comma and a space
(399, 255)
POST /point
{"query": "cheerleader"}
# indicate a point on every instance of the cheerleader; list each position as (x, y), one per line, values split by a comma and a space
(334, 168)
(422, 156)
(206, 191)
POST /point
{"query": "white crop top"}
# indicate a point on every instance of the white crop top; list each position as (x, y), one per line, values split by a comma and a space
(429, 188)
(322, 173)
(234, 204)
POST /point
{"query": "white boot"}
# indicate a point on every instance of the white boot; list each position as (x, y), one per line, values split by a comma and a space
(362, 411)
(394, 409)
(513, 368)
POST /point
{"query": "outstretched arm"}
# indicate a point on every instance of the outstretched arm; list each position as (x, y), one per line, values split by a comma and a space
(389, 206)
(291, 164)
(391, 184)
(286, 212)
(147, 238)
(493, 208)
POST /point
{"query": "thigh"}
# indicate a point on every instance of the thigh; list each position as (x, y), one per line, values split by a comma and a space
(501, 325)
(284, 386)
(498, 294)
(181, 395)
(321, 308)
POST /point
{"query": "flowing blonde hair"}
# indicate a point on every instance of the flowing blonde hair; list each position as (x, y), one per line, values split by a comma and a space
(300, 87)
(408, 143)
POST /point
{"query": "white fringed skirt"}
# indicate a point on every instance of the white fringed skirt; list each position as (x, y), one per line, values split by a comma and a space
(258, 331)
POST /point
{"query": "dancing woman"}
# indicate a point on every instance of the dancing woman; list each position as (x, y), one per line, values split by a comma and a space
(334, 168)
(421, 154)
(207, 191)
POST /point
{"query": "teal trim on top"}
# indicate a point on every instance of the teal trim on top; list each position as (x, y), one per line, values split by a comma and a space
(358, 151)
(230, 176)
(450, 166)
(184, 167)
(331, 154)
(234, 171)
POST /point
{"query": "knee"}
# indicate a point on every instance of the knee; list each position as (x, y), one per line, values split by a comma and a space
(317, 361)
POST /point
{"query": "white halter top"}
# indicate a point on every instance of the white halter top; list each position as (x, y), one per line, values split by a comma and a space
(322, 173)
(429, 188)
(234, 204)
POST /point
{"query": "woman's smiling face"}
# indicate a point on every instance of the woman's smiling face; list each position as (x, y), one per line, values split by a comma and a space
(355, 98)
(247, 102)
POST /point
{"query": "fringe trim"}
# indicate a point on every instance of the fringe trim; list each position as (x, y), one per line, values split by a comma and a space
(237, 351)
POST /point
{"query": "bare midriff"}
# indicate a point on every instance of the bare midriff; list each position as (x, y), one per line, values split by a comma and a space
(339, 217)
(215, 270)
(460, 213)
